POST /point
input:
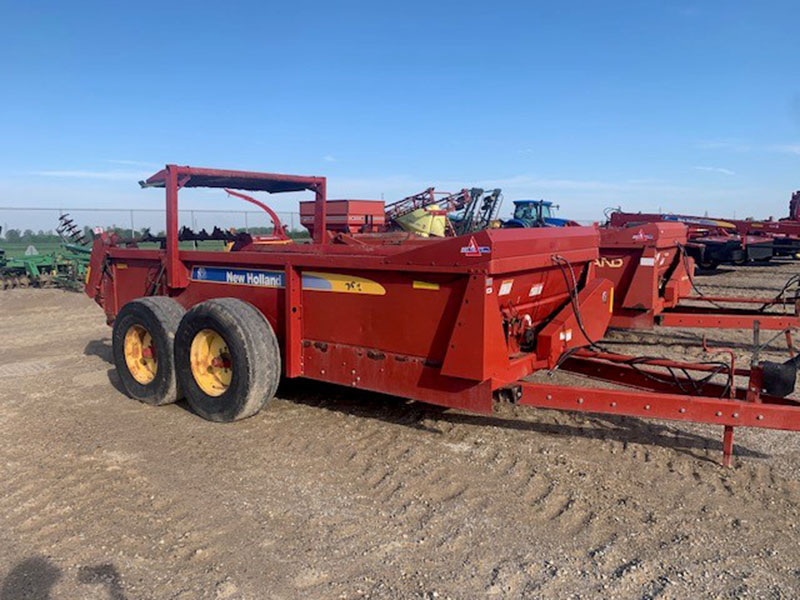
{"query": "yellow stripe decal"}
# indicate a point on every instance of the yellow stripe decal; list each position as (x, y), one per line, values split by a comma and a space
(425, 285)
(337, 282)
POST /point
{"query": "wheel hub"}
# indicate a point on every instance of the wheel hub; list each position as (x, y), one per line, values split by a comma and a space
(211, 362)
(140, 354)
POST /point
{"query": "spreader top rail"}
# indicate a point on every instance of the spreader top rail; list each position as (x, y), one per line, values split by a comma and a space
(241, 180)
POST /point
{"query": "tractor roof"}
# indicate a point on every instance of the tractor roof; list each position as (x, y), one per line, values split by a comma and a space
(543, 202)
(240, 180)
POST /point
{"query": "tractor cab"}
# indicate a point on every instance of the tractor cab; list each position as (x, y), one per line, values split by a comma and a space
(535, 213)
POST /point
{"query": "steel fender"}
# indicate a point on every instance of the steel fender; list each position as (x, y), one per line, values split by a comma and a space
(94, 273)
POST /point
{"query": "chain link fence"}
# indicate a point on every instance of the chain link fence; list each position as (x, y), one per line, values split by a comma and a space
(28, 222)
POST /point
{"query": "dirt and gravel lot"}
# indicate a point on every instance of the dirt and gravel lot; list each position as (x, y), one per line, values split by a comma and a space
(335, 493)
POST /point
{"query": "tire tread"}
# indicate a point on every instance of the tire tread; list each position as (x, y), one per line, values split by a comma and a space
(263, 360)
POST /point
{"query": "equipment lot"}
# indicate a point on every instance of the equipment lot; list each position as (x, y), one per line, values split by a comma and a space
(336, 493)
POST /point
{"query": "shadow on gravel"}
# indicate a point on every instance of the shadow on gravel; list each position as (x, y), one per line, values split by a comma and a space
(711, 272)
(772, 264)
(372, 405)
(765, 264)
(625, 430)
(32, 578)
(761, 290)
(770, 340)
(115, 382)
(101, 348)
(106, 575)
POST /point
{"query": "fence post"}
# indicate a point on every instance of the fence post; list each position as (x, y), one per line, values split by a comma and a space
(246, 228)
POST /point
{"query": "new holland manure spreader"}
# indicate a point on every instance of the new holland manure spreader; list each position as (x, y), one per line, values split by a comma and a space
(455, 321)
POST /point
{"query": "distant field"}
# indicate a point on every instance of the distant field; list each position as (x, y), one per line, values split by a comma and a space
(14, 250)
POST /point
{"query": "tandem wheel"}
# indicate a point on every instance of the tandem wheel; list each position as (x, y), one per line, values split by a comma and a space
(708, 264)
(227, 359)
(142, 344)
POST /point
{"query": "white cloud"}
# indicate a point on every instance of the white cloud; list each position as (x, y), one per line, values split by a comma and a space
(735, 145)
(732, 145)
(329, 158)
(715, 170)
(131, 163)
(787, 148)
(580, 199)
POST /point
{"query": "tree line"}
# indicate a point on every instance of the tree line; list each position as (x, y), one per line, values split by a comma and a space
(29, 236)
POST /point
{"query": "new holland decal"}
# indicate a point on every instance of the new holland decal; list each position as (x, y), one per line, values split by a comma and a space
(312, 280)
(613, 263)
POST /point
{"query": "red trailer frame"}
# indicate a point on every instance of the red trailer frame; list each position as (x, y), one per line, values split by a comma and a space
(453, 322)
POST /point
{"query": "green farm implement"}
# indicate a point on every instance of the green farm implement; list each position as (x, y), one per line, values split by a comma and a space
(65, 267)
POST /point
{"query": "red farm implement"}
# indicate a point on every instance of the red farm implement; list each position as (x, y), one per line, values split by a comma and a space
(351, 216)
(456, 321)
(653, 285)
(784, 234)
(715, 240)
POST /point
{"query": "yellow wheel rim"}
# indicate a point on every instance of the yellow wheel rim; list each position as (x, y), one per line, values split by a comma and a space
(140, 354)
(211, 362)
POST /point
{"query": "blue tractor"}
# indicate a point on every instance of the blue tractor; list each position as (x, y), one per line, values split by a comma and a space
(535, 213)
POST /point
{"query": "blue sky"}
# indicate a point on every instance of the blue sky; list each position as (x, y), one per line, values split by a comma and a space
(679, 105)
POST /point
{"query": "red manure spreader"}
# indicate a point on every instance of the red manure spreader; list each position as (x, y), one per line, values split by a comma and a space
(459, 321)
(653, 285)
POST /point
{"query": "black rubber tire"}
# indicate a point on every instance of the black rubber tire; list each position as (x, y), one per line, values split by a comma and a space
(161, 316)
(709, 265)
(254, 355)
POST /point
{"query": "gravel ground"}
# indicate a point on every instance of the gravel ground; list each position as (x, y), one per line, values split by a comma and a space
(335, 493)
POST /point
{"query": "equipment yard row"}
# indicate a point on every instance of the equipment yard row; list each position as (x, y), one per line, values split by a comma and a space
(337, 492)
